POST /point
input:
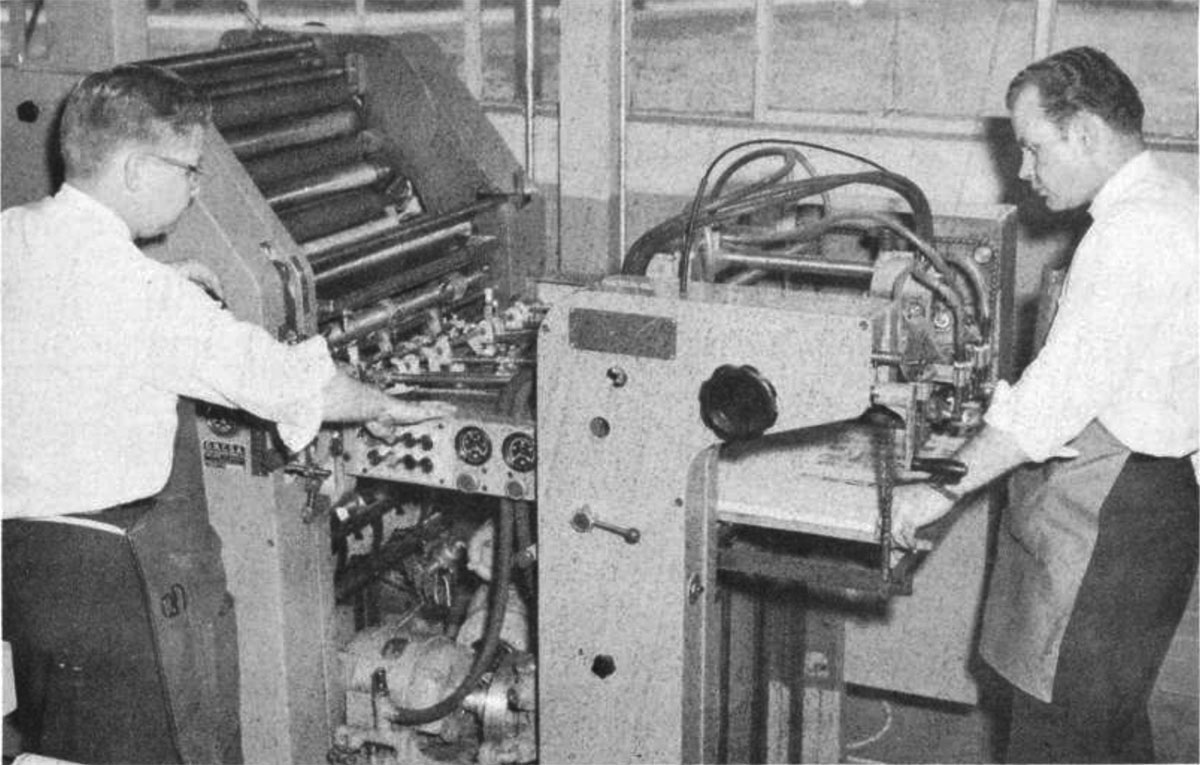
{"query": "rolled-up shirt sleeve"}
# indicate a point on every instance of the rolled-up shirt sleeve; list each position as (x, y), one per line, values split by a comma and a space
(197, 349)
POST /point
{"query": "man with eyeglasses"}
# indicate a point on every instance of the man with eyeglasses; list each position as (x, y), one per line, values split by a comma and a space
(99, 344)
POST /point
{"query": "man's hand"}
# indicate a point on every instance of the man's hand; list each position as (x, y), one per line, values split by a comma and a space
(913, 506)
(399, 413)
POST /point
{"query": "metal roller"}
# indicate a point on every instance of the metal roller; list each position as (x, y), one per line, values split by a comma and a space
(386, 312)
(353, 236)
(460, 259)
(211, 79)
(312, 129)
(413, 229)
(329, 182)
(271, 170)
(324, 89)
(337, 213)
(190, 63)
(391, 254)
(293, 76)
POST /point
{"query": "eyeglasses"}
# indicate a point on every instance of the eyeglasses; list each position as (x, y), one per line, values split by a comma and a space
(192, 171)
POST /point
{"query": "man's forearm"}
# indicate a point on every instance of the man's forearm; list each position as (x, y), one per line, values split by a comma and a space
(988, 456)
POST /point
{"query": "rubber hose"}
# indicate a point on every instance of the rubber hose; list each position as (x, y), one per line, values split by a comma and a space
(497, 606)
(672, 231)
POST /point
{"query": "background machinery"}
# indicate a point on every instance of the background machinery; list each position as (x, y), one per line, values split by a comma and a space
(594, 560)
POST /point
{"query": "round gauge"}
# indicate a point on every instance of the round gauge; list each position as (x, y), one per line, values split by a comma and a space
(520, 452)
(473, 445)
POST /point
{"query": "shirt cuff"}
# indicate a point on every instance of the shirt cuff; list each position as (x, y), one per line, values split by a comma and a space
(303, 419)
(1002, 414)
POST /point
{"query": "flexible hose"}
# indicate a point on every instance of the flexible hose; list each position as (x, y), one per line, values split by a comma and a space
(693, 213)
(497, 606)
(666, 236)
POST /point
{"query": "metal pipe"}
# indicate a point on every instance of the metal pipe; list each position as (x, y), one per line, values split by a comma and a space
(271, 104)
(190, 62)
(328, 183)
(389, 254)
(411, 230)
(450, 379)
(530, 65)
(793, 265)
(387, 311)
(351, 236)
(299, 132)
(309, 222)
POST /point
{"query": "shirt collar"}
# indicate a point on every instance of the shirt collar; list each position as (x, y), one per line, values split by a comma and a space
(99, 213)
(1121, 181)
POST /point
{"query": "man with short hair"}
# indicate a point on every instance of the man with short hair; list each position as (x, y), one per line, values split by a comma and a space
(100, 342)
(1097, 551)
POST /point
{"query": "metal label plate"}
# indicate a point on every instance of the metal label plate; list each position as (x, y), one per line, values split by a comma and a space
(627, 334)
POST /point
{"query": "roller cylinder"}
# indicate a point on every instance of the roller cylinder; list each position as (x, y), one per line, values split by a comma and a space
(329, 182)
(272, 170)
(190, 63)
(211, 80)
(352, 236)
(290, 78)
(272, 102)
(391, 254)
(337, 213)
(408, 279)
(302, 131)
(388, 311)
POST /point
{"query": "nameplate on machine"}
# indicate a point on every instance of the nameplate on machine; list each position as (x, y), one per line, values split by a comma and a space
(628, 334)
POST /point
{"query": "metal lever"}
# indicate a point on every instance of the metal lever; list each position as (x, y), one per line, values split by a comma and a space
(583, 522)
(313, 477)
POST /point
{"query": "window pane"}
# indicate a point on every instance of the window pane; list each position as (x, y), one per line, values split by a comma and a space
(1154, 42)
(914, 57)
(699, 61)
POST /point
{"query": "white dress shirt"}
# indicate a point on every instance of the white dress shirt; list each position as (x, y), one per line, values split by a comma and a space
(99, 341)
(1123, 345)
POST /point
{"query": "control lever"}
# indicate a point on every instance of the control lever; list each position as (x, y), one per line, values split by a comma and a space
(583, 521)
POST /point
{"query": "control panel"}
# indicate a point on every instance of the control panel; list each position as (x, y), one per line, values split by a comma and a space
(472, 455)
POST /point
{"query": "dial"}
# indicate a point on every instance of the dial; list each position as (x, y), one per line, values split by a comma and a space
(473, 445)
(520, 452)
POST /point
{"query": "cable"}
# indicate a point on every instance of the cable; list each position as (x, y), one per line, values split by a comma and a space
(501, 569)
(665, 235)
(690, 228)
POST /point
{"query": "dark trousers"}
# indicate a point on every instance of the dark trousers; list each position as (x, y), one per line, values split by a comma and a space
(124, 645)
(1132, 599)
(88, 679)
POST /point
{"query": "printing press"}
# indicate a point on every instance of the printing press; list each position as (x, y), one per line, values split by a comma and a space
(650, 475)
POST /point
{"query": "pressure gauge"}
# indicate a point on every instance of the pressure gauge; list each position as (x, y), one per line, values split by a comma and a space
(519, 452)
(473, 445)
